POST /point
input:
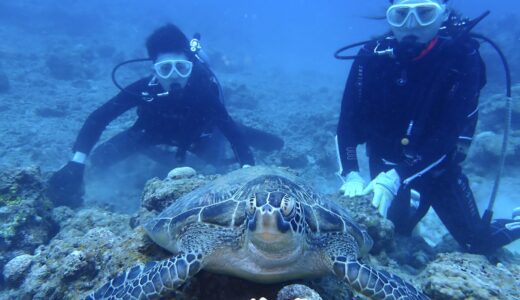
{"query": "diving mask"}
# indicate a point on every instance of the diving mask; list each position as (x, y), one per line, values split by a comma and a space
(166, 69)
(425, 13)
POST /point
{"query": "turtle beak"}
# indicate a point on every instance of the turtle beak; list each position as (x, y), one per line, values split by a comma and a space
(267, 218)
(267, 223)
(268, 229)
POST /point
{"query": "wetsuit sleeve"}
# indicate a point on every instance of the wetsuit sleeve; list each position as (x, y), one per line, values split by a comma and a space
(230, 130)
(456, 126)
(98, 120)
(349, 130)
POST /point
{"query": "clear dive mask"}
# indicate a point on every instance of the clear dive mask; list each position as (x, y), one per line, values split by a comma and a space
(425, 13)
(166, 69)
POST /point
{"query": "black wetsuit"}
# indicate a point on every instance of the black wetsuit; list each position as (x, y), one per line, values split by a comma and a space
(417, 114)
(183, 118)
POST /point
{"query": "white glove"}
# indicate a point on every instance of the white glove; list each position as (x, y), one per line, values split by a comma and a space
(385, 187)
(353, 185)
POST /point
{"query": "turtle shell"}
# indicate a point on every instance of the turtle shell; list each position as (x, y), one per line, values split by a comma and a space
(222, 203)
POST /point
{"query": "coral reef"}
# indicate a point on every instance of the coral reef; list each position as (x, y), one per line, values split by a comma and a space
(25, 213)
(159, 194)
(458, 276)
(16, 268)
(380, 229)
(297, 291)
(181, 172)
(93, 245)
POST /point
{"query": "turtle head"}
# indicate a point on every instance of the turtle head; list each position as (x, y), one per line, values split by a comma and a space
(274, 221)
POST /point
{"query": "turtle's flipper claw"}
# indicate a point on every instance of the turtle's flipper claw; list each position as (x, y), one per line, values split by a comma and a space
(375, 284)
(150, 281)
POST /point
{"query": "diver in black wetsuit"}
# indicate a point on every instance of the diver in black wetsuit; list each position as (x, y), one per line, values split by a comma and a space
(180, 105)
(412, 97)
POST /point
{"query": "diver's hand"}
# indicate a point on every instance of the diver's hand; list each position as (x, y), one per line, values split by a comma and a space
(245, 166)
(66, 185)
(385, 187)
(353, 185)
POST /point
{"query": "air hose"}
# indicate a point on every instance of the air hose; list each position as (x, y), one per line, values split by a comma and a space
(114, 71)
(488, 213)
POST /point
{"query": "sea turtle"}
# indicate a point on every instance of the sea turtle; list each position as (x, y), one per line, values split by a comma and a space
(261, 224)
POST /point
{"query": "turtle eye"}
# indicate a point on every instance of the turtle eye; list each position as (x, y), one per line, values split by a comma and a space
(287, 205)
(252, 205)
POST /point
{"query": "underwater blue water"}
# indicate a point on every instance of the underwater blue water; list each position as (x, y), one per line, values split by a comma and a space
(298, 34)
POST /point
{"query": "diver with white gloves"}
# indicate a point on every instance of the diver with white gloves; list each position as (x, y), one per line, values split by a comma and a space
(412, 97)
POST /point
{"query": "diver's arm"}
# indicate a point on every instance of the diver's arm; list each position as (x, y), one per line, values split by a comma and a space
(455, 127)
(98, 120)
(65, 186)
(349, 130)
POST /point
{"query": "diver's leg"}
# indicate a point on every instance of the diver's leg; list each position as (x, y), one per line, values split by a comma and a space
(400, 212)
(503, 232)
(261, 140)
(422, 191)
(455, 205)
(119, 147)
(164, 156)
(211, 148)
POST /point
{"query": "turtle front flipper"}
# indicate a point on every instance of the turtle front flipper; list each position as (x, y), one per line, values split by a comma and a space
(342, 253)
(373, 283)
(152, 280)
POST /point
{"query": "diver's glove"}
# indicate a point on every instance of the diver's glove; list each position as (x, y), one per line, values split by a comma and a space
(385, 187)
(66, 185)
(353, 185)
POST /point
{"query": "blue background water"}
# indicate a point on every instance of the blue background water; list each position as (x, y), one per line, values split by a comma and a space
(292, 34)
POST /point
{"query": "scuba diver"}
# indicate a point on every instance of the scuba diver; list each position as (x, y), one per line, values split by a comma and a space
(412, 96)
(179, 105)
